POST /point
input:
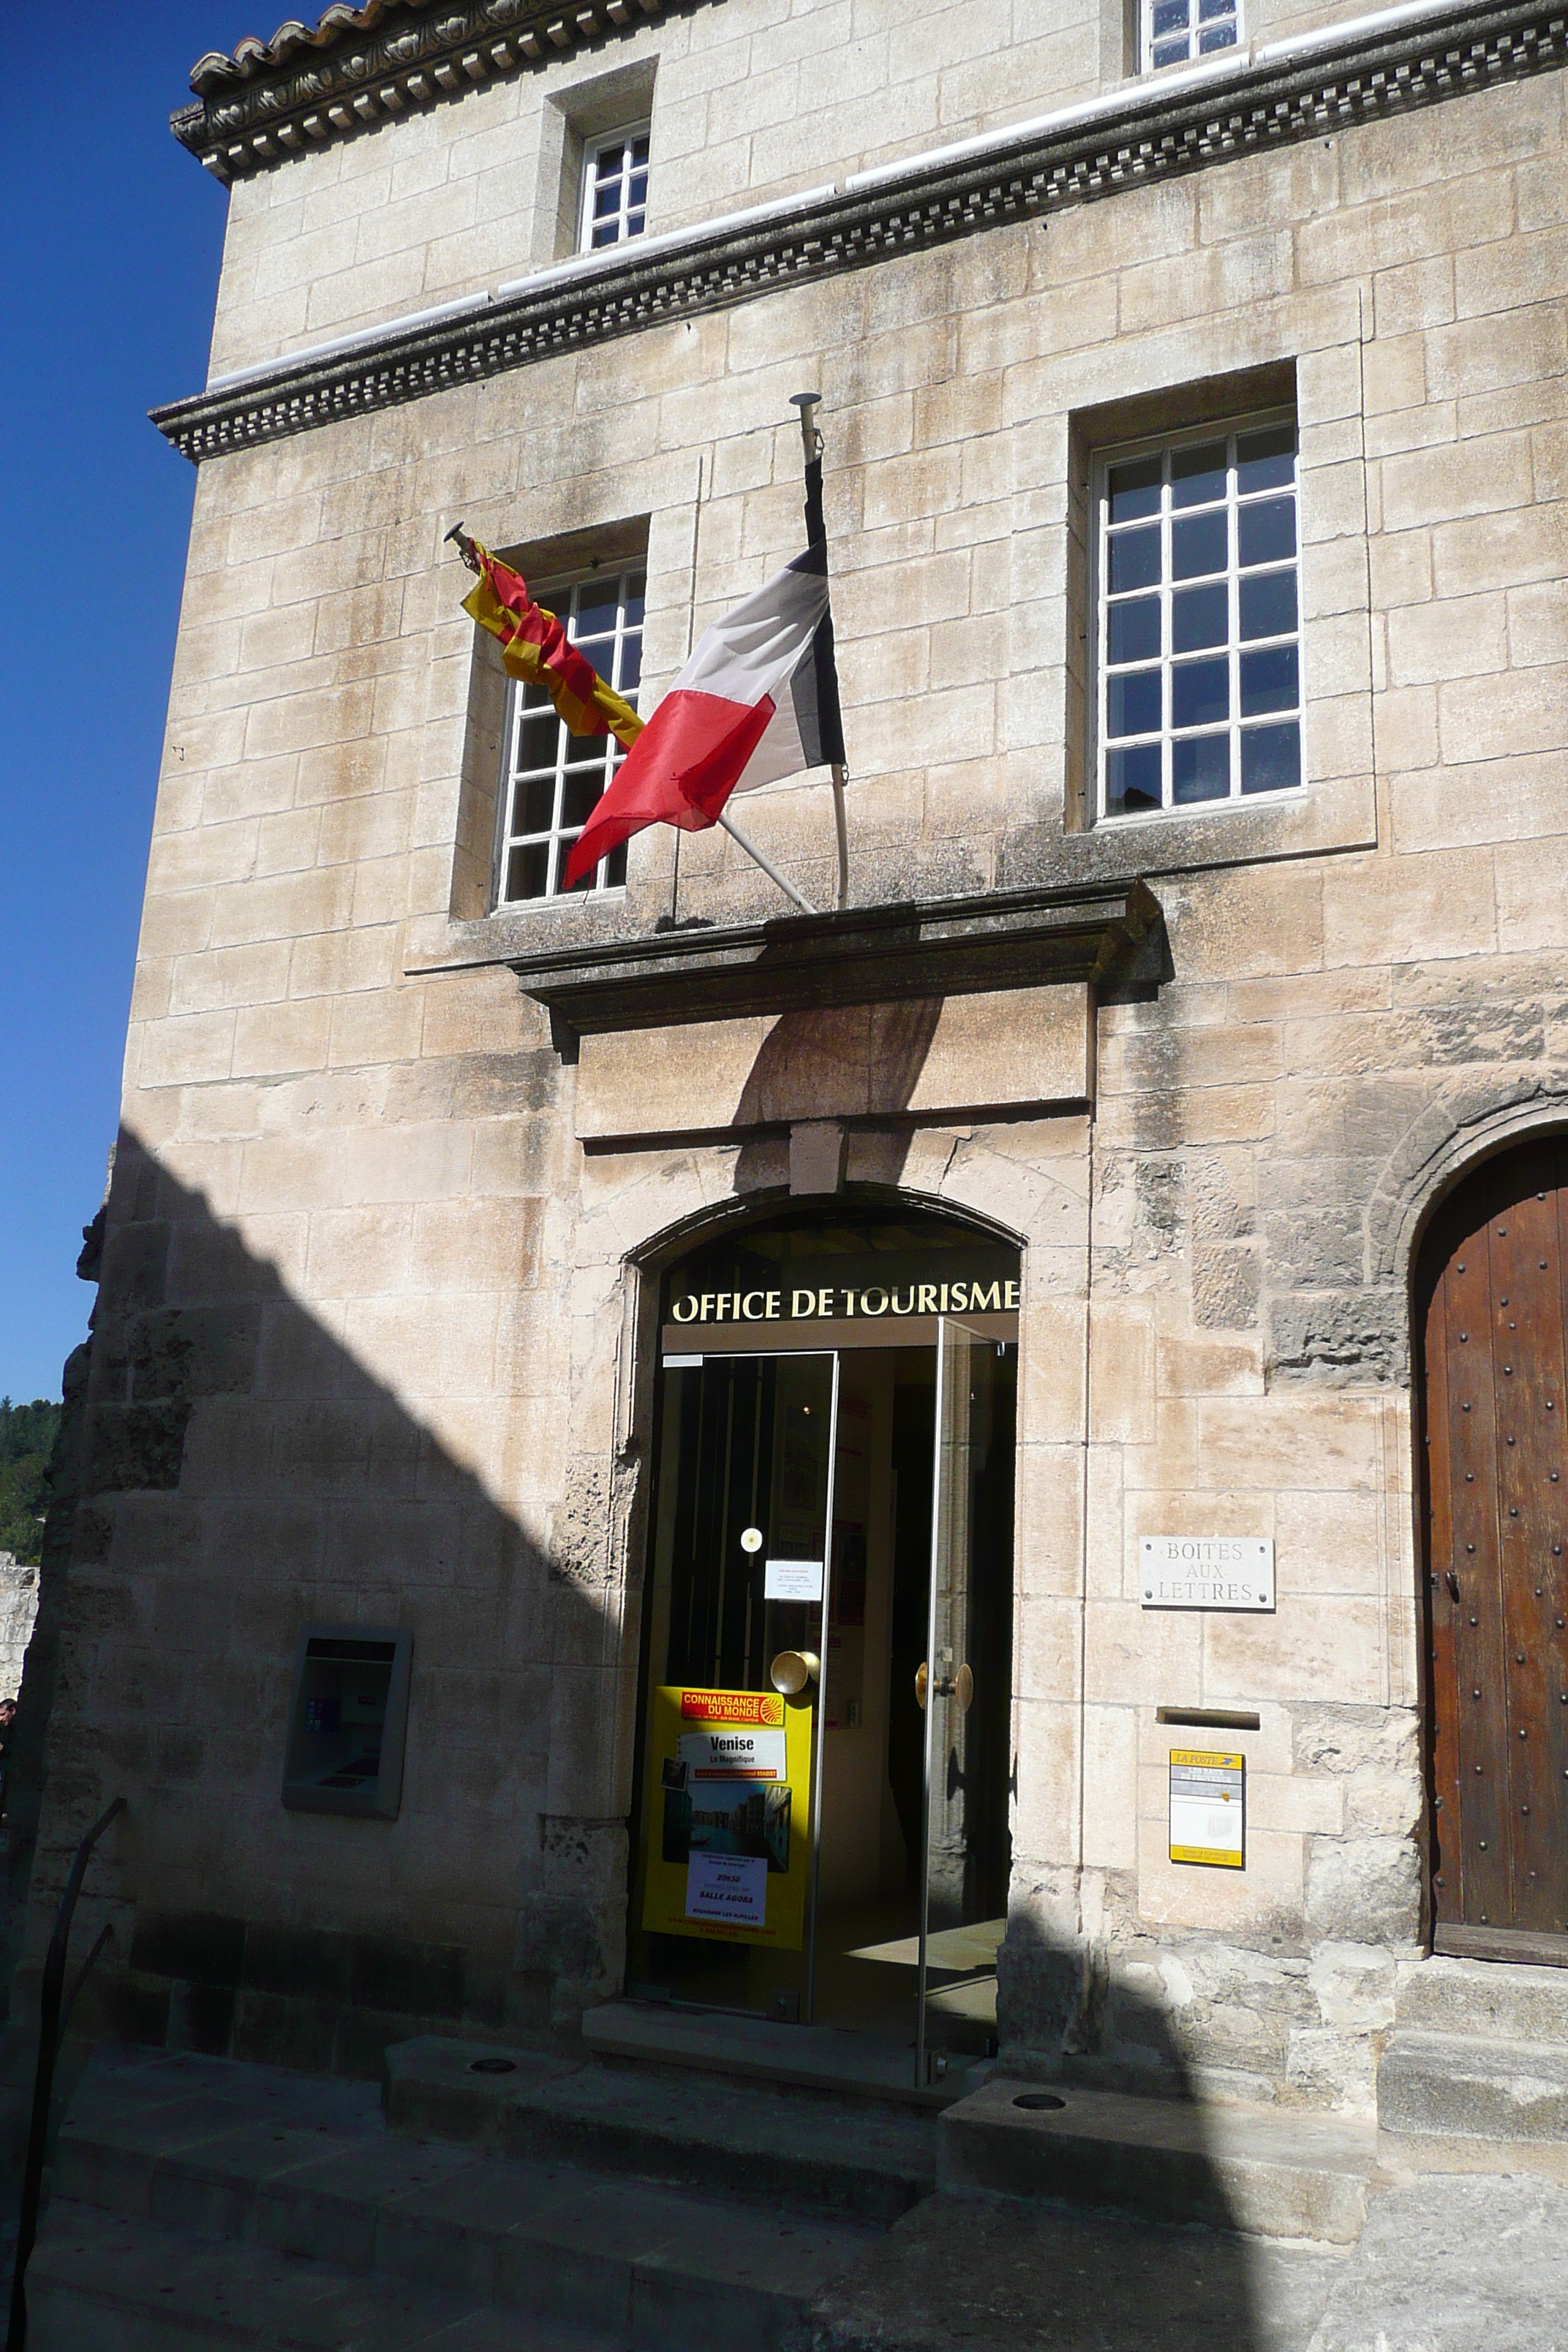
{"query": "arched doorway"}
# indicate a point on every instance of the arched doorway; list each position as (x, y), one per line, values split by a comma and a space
(821, 1827)
(1493, 1321)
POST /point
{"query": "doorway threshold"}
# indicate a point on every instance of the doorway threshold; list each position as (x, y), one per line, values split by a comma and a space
(808, 2057)
(1522, 1947)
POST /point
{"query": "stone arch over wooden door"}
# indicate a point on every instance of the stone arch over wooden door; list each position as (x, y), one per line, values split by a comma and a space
(1492, 1319)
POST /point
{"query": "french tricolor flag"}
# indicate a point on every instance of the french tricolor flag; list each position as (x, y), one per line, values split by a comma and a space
(757, 701)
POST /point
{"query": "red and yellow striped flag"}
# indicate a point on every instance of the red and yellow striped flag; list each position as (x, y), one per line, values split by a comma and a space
(535, 647)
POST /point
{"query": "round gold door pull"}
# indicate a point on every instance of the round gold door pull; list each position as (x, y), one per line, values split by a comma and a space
(958, 1687)
(792, 1670)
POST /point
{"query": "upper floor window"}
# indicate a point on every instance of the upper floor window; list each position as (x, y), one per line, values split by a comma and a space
(550, 777)
(1177, 30)
(1198, 676)
(615, 188)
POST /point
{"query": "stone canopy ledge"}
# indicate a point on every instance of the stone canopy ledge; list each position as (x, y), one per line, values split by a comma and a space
(816, 1025)
(1106, 935)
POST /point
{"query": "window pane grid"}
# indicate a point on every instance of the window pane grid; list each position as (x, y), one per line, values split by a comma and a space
(1199, 674)
(615, 189)
(1176, 31)
(552, 778)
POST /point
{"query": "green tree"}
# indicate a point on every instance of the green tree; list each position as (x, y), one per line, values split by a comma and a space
(26, 1440)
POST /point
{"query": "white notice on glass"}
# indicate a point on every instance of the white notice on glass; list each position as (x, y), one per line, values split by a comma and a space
(728, 1887)
(791, 1579)
(1206, 1571)
(733, 1755)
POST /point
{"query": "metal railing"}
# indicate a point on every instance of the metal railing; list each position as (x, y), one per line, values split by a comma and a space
(55, 2006)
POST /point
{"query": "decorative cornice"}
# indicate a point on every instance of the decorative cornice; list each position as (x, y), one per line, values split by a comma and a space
(363, 65)
(253, 58)
(1106, 933)
(1229, 107)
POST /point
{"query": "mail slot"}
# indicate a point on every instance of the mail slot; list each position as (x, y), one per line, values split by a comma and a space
(348, 1721)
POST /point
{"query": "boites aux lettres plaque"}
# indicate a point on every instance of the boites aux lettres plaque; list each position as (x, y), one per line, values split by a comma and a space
(1206, 1571)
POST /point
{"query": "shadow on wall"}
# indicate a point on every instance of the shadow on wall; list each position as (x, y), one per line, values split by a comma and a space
(838, 1062)
(35, 1699)
(233, 1474)
(1071, 2280)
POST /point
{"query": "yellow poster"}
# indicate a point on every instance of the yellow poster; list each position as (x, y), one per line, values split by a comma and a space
(728, 1826)
(1208, 1808)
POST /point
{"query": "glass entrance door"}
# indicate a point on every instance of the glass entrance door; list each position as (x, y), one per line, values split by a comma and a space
(962, 1893)
(822, 1825)
(725, 1892)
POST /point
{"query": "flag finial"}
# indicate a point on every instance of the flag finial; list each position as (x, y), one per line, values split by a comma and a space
(808, 403)
(465, 546)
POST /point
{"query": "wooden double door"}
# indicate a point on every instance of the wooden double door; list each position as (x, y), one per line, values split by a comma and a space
(1491, 1311)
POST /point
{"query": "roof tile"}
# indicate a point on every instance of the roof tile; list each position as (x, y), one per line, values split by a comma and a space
(217, 71)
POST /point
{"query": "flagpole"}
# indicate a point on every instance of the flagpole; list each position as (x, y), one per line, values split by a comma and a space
(841, 822)
(769, 868)
(816, 529)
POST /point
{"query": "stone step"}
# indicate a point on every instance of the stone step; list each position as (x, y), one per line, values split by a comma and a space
(306, 2168)
(98, 2283)
(812, 2057)
(966, 2273)
(806, 2151)
(1273, 2172)
(1456, 2086)
(1491, 2001)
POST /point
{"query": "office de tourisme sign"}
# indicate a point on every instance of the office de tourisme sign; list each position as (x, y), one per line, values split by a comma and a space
(794, 1305)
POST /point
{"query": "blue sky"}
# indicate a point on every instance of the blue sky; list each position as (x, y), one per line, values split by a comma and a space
(107, 269)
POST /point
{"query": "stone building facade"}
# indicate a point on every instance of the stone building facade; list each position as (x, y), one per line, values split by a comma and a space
(405, 1162)
(18, 1607)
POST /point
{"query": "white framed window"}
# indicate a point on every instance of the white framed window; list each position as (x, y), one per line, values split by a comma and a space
(550, 778)
(1175, 31)
(615, 188)
(1198, 670)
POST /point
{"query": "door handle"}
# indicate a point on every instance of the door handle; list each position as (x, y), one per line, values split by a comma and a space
(959, 1685)
(1453, 1583)
(793, 1671)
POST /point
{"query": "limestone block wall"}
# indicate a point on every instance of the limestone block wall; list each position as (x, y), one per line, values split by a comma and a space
(749, 101)
(369, 1343)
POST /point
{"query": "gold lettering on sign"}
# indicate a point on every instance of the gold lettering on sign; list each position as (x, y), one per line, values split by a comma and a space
(925, 1298)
